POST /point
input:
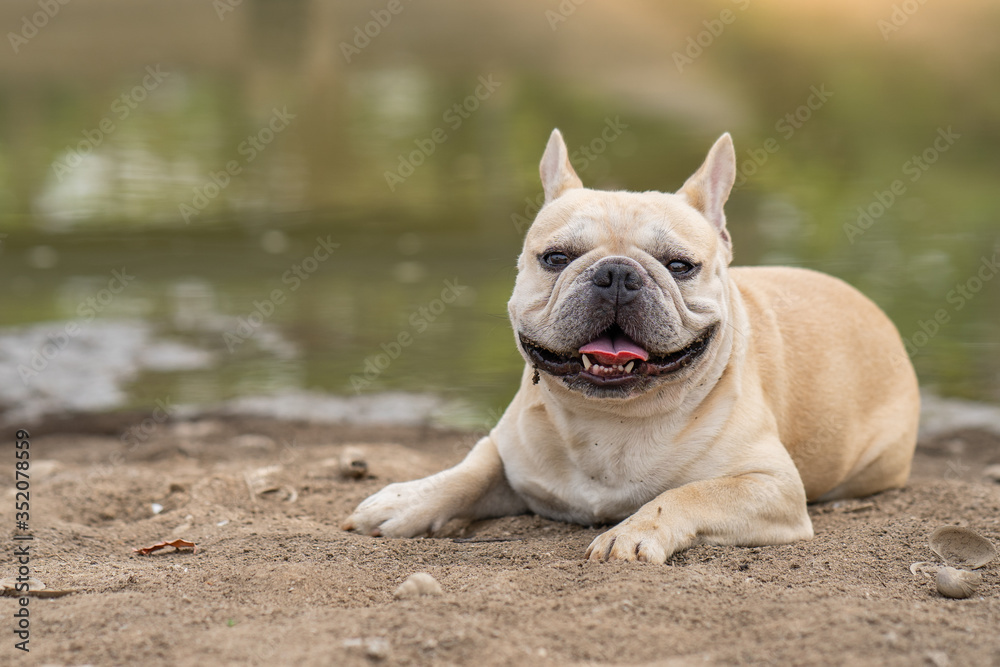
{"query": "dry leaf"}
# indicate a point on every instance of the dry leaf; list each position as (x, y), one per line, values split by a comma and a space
(9, 585)
(177, 544)
(51, 593)
(8, 588)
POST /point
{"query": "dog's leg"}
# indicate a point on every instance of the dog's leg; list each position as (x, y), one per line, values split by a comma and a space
(749, 509)
(476, 488)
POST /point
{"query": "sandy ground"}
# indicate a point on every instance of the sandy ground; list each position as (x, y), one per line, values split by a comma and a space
(274, 580)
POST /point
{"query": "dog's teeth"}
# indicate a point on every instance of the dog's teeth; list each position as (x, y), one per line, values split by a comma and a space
(628, 366)
(586, 362)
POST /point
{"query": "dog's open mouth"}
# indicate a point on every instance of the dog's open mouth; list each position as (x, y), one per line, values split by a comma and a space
(614, 359)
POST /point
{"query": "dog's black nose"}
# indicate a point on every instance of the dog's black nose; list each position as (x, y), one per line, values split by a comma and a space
(617, 283)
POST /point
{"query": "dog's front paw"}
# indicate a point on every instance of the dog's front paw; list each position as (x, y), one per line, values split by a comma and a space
(638, 538)
(405, 509)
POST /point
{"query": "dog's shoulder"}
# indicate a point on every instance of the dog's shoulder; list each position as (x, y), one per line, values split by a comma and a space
(785, 291)
(785, 280)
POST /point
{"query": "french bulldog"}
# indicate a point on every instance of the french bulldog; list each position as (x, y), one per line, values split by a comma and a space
(689, 402)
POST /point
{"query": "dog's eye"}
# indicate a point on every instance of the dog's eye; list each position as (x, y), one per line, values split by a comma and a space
(680, 268)
(556, 260)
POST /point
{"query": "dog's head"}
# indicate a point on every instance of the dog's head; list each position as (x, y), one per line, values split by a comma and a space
(619, 293)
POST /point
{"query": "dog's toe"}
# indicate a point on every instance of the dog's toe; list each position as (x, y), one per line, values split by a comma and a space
(628, 544)
(650, 551)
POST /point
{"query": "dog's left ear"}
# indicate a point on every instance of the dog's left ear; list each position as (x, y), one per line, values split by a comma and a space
(556, 171)
(708, 188)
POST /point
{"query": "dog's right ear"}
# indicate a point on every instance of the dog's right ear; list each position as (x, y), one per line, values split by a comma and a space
(557, 173)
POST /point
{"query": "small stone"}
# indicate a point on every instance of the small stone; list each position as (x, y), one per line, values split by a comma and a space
(377, 648)
(937, 658)
(46, 467)
(352, 463)
(254, 441)
(198, 429)
(417, 584)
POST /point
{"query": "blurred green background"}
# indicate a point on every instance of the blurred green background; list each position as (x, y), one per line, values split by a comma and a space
(205, 146)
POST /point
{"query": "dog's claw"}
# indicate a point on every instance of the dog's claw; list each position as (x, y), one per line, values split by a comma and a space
(611, 546)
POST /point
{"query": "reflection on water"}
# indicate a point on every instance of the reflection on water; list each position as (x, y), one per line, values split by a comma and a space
(79, 365)
(206, 157)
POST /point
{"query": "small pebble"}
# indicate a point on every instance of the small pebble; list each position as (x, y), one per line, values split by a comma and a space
(254, 441)
(417, 584)
(352, 463)
(937, 658)
(377, 648)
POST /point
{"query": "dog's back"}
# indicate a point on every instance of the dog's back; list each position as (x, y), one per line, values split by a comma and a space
(848, 436)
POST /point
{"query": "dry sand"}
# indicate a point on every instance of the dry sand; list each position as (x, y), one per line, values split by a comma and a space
(275, 581)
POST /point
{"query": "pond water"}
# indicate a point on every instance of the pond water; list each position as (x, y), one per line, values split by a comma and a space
(241, 204)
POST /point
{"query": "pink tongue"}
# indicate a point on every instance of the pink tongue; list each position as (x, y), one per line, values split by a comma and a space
(614, 351)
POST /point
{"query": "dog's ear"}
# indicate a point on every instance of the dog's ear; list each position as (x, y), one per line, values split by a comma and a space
(557, 173)
(708, 188)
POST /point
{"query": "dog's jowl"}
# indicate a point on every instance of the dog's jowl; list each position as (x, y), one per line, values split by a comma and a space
(688, 401)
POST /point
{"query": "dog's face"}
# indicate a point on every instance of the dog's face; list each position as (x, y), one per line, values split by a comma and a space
(619, 293)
